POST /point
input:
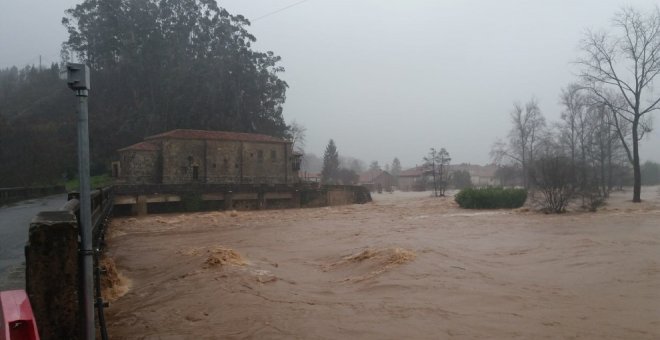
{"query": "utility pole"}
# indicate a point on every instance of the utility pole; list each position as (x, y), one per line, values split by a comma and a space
(78, 81)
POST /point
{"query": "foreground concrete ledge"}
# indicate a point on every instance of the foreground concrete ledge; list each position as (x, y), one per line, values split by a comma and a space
(50, 218)
(51, 274)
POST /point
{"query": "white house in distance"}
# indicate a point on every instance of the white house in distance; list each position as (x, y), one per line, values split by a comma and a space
(481, 176)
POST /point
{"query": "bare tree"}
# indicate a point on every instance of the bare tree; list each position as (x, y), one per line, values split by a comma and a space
(572, 128)
(352, 163)
(524, 137)
(576, 132)
(588, 141)
(297, 134)
(604, 146)
(551, 176)
(437, 163)
(625, 63)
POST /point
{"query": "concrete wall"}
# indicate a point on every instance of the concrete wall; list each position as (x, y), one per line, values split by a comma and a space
(140, 200)
(51, 274)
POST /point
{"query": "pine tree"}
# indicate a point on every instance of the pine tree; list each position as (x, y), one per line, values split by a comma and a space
(374, 166)
(396, 167)
(330, 164)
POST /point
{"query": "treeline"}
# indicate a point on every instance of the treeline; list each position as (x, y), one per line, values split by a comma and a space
(156, 65)
(606, 113)
(37, 127)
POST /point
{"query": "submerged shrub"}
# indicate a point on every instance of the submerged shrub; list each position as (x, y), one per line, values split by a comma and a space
(491, 198)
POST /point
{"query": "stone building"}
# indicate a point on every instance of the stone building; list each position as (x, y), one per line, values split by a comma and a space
(377, 180)
(213, 157)
(413, 179)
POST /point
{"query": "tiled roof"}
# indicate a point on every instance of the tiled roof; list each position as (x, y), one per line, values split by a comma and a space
(413, 172)
(220, 135)
(142, 146)
(370, 176)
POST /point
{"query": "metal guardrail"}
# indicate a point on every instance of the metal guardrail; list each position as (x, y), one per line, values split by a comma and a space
(102, 203)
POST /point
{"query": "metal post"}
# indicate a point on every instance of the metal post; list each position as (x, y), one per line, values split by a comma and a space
(87, 252)
(78, 81)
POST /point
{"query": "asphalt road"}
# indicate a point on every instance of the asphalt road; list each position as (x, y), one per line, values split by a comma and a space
(14, 224)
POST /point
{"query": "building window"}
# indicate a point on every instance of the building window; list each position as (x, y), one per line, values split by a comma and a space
(297, 159)
(115, 169)
(273, 155)
(260, 156)
(215, 165)
(195, 174)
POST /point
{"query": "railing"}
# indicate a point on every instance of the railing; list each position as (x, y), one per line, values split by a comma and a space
(146, 189)
(207, 180)
(102, 204)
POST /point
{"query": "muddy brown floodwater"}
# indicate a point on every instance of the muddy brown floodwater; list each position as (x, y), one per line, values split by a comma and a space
(406, 266)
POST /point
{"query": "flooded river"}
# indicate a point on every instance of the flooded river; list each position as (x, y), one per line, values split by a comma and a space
(407, 266)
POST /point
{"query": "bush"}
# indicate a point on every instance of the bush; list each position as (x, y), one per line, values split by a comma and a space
(491, 198)
(553, 176)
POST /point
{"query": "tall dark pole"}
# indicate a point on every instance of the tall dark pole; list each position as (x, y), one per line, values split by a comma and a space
(78, 80)
(435, 181)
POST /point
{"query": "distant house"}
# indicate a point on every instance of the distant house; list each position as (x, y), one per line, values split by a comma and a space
(480, 175)
(413, 179)
(201, 156)
(417, 178)
(377, 180)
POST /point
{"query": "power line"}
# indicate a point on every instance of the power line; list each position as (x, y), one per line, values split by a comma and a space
(279, 10)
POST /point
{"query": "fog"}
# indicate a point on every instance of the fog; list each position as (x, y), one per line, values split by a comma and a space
(389, 79)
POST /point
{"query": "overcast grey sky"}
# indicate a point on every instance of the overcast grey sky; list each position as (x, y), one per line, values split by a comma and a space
(392, 78)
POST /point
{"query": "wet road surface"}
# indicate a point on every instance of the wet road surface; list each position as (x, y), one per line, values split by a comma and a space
(14, 225)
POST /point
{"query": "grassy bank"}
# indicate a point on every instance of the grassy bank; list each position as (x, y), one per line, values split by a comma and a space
(95, 182)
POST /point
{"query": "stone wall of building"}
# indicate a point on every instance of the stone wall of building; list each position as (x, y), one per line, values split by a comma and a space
(223, 161)
(140, 166)
(267, 163)
(183, 160)
(217, 161)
